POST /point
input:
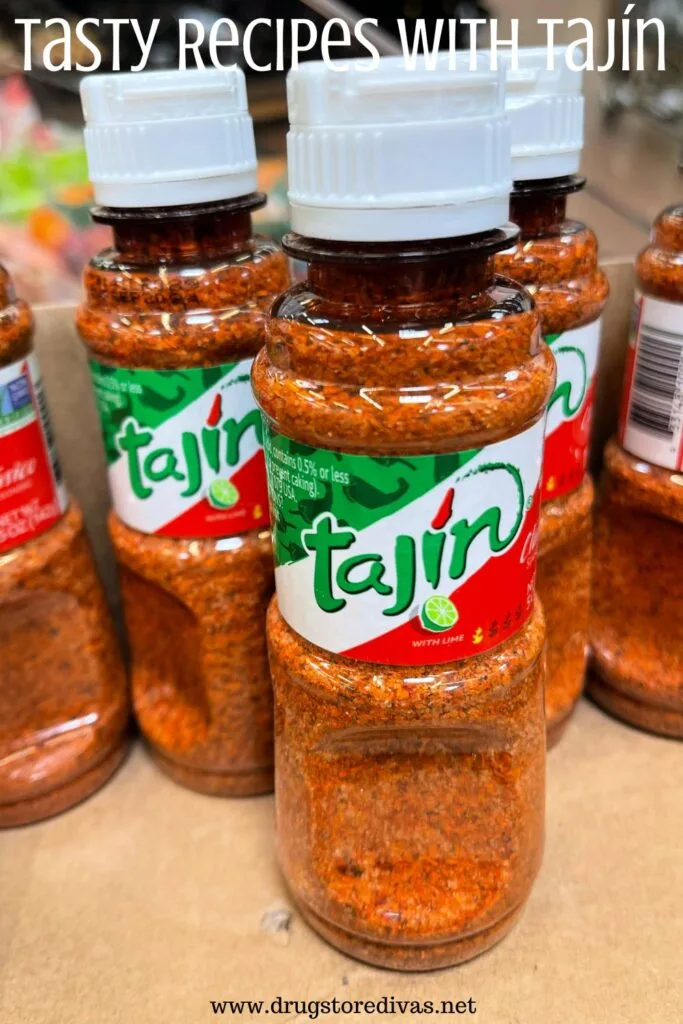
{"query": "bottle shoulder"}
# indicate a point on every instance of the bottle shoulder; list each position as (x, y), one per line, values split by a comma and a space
(388, 379)
(570, 250)
(27, 562)
(301, 304)
(659, 267)
(378, 692)
(631, 481)
(182, 314)
(186, 563)
(255, 249)
(16, 331)
(384, 344)
(561, 271)
(667, 229)
(116, 282)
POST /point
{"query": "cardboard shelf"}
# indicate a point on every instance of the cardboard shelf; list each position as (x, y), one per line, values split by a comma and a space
(148, 901)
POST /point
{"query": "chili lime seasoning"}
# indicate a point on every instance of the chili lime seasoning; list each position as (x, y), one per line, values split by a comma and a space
(63, 699)
(557, 260)
(404, 392)
(173, 317)
(637, 619)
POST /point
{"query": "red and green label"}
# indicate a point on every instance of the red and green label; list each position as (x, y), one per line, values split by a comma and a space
(32, 495)
(406, 560)
(184, 449)
(570, 413)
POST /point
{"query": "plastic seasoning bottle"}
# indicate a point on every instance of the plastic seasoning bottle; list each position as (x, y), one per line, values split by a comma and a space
(557, 260)
(174, 314)
(404, 391)
(637, 620)
(63, 693)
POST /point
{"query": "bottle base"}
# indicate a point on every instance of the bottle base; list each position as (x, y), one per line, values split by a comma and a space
(255, 783)
(556, 727)
(662, 721)
(393, 956)
(56, 801)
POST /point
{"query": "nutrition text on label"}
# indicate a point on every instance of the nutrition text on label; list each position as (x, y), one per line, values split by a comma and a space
(293, 473)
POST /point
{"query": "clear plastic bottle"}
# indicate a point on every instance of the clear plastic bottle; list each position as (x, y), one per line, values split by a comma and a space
(173, 316)
(63, 693)
(404, 390)
(557, 260)
(637, 617)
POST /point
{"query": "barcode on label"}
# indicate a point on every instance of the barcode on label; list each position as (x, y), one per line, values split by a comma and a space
(653, 426)
(658, 382)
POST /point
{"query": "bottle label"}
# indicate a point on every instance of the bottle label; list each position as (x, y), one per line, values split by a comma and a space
(570, 413)
(184, 449)
(406, 560)
(651, 426)
(32, 494)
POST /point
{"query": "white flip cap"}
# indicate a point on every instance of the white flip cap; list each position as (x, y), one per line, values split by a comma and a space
(392, 155)
(169, 138)
(546, 111)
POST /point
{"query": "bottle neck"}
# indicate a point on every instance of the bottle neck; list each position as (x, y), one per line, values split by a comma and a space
(539, 208)
(402, 284)
(187, 234)
(452, 271)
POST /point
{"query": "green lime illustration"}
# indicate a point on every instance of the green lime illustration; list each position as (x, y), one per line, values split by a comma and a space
(223, 494)
(439, 614)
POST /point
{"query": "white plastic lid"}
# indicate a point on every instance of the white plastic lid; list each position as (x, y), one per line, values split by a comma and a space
(546, 111)
(169, 138)
(391, 155)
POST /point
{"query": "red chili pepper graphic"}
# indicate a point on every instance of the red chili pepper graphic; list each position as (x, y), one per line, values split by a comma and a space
(216, 412)
(445, 512)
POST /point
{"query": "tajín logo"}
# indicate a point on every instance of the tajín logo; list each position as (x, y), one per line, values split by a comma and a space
(439, 554)
(198, 455)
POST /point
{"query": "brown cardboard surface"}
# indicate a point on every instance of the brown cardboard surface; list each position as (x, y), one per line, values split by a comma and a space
(148, 901)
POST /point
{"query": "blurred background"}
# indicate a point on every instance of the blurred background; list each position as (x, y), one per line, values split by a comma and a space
(634, 121)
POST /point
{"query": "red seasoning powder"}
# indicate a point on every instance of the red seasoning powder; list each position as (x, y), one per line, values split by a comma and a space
(404, 391)
(174, 314)
(557, 261)
(637, 620)
(63, 696)
(556, 258)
